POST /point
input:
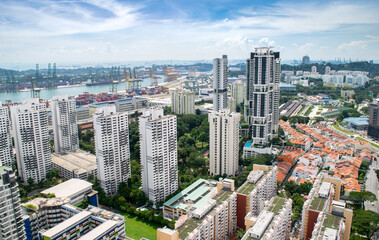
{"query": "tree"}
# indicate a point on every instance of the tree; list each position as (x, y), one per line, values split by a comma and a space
(240, 233)
(54, 173)
(360, 197)
(198, 111)
(30, 181)
(365, 222)
(204, 137)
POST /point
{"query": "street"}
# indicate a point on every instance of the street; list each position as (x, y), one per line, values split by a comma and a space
(372, 186)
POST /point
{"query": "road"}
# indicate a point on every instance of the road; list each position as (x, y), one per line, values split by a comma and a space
(372, 186)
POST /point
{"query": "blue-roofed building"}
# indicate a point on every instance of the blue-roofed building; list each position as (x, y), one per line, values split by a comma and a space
(287, 86)
(122, 105)
(357, 123)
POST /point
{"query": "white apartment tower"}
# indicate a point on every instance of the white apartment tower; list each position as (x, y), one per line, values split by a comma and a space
(112, 148)
(223, 142)
(220, 83)
(238, 91)
(159, 155)
(63, 110)
(183, 102)
(31, 140)
(12, 224)
(6, 154)
(262, 94)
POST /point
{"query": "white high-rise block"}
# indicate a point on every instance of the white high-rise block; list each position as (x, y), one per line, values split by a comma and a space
(223, 142)
(159, 154)
(220, 83)
(65, 126)
(6, 152)
(112, 147)
(238, 91)
(262, 94)
(183, 102)
(31, 139)
(12, 224)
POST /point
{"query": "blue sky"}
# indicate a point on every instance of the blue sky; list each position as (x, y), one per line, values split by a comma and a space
(124, 31)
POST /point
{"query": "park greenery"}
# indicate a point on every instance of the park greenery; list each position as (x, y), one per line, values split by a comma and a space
(296, 192)
(365, 223)
(358, 198)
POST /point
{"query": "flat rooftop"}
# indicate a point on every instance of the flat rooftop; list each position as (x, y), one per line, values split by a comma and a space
(276, 205)
(317, 204)
(66, 225)
(247, 187)
(69, 188)
(193, 223)
(197, 193)
(78, 161)
(99, 230)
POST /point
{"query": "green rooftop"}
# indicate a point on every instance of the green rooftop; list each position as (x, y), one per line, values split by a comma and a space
(276, 205)
(246, 188)
(193, 223)
(318, 204)
(331, 221)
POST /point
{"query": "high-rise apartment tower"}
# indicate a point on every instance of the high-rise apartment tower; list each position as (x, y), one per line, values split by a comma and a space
(223, 142)
(6, 152)
(112, 148)
(220, 83)
(31, 140)
(159, 155)
(63, 111)
(262, 94)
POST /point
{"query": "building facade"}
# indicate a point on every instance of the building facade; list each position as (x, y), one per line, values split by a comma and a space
(238, 91)
(159, 154)
(262, 94)
(220, 83)
(6, 152)
(31, 140)
(12, 226)
(373, 126)
(183, 102)
(223, 142)
(65, 126)
(112, 148)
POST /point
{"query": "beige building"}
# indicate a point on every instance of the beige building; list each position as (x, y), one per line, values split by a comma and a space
(182, 101)
(223, 142)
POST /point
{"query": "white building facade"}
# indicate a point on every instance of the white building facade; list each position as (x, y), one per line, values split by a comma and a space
(183, 102)
(65, 126)
(112, 148)
(31, 140)
(238, 91)
(223, 142)
(262, 94)
(220, 83)
(6, 152)
(159, 154)
(12, 225)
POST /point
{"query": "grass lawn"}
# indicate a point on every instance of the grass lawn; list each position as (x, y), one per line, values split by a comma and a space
(136, 228)
(372, 144)
(342, 130)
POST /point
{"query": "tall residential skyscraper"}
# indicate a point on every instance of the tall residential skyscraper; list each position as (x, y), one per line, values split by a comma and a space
(31, 140)
(12, 225)
(6, 153)
(223, 142)
(183, 102)
(238, 91)
(159, 154)
(112, 148)
(65, 126)
(373, 126)
(262, 94)
(220, 83)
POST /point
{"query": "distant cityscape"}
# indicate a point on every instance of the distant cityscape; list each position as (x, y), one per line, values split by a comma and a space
(257, 150)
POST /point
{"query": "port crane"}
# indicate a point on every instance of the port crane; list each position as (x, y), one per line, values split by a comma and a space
(34, 92)
(113, 86)
(154, 79)
(127, 81)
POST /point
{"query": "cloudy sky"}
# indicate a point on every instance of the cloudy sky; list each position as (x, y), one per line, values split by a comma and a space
(114, 30)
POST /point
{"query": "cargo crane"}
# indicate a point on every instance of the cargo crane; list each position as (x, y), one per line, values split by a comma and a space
(127, 81)
(137, 81)
(54, 80)
(154, 79)
(113, 86)
(34, 92)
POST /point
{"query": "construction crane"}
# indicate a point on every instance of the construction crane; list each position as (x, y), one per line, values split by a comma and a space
(136, 82)
(34, 92)
(154, 79)
(127, 81)
(113, 86)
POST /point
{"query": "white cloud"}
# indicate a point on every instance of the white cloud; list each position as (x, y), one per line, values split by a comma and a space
(359, 43)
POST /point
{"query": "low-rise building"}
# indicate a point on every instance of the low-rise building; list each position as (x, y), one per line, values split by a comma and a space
(78, 164)
(216, 218)
(274, 222)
